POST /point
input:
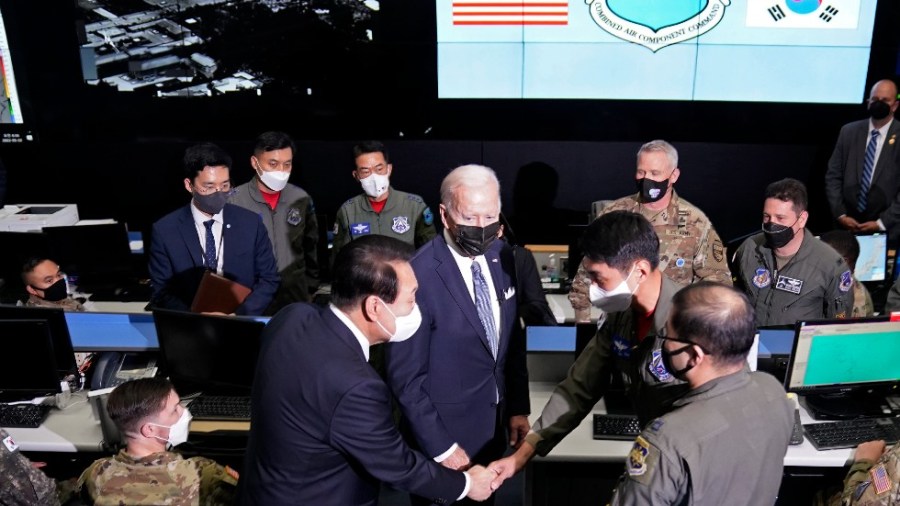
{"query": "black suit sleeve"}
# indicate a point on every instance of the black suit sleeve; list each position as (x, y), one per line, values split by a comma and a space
(835, 173)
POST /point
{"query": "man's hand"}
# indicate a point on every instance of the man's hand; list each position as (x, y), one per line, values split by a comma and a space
(871, 450)
(869, 226)
(458, 460)
(848, 223)
(505, 468)
(480, 483)
(518, 429)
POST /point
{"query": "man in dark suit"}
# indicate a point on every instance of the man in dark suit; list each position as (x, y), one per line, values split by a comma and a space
(321, 430)
(867, 157)
(462, 380)
(208, 234)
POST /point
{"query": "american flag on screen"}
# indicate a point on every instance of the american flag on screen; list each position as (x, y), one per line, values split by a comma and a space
(510, 12)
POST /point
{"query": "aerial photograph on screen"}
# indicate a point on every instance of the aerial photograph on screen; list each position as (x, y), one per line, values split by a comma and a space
(186, 48)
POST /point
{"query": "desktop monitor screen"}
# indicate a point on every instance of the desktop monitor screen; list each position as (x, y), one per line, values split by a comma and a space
(112, 331)
(214, 354)
(59, 332)
(844, 368)
(91, 251)
(30, 370)
(872, 262)
(550, 338)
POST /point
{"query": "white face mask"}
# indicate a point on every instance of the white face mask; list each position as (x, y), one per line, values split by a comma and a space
(178, 432)
(275, 180)
(616, 300)
(404, 326)
(375, 185)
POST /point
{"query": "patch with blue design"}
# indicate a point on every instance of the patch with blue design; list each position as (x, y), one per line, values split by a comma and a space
(656, 425)
(762, 278)
(679, 263)
(401, 224)
(621, 346)
(360, 229)
(293, 216)
(427, 216)
(657, 368)
(846, 282)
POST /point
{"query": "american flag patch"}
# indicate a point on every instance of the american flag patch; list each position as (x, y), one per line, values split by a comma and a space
(510, 12)
(880, 479)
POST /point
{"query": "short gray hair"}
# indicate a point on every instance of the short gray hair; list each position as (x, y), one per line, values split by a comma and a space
(467, 176)
(661, 146)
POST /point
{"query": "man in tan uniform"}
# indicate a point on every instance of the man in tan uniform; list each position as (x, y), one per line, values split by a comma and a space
(149, 415)
(690, 249)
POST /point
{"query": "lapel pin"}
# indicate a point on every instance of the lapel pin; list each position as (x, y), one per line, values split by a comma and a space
(892, 139)
(228, 225)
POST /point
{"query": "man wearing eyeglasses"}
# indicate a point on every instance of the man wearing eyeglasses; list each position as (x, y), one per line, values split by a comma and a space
(622, 259)
(381, 209)
(724, 441)
(209, 234)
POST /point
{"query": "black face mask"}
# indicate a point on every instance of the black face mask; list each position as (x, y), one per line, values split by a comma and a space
(476, 240)
(879, 110)
(777, 236)
(652, 191)
(212, 203)
(667, 361)
(55, 292)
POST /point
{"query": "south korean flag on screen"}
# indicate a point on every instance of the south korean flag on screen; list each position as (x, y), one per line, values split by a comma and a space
(839, 14)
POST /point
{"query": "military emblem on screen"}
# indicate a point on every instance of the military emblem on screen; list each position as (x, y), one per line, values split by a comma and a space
(656, 25)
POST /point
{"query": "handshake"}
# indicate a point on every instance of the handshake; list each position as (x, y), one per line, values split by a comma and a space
(483, 481)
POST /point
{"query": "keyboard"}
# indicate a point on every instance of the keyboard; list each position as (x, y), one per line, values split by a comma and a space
(849, 433)
(214, 407)
(620, 427)
(28, 416)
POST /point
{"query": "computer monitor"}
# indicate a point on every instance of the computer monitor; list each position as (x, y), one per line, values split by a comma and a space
(112, 331)
(30, 368)
(98, 254)
(843, 368)
(212, 354)
(872, 262)
(550, 338)
(59, 332)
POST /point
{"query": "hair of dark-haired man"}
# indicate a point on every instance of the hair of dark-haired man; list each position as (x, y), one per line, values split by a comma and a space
(273, 141)
(363, 268)
(845, 243)
(134, 401)
(789, 190)
(717, 317)
(619, 239)
(366, 147)
(29, 266)
(203, 155)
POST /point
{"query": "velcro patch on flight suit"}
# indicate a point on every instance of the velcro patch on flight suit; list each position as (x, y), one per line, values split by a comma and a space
(880, 479)
(642, 460)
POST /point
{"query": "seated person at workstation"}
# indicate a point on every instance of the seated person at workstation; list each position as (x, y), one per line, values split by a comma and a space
(621, 256)
(209, 234)
(874, 476)
(149, 416)
(23, 482)
(46, 285)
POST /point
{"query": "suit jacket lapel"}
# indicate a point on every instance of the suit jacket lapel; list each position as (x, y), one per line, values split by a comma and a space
(886, 157)
(448, 271)
(501, 262)
(190, 237)
(228, 247)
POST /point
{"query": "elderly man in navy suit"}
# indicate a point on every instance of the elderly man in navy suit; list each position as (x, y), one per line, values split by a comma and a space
(863, 177)
(462, 381)
(208, 234)
(321, 430)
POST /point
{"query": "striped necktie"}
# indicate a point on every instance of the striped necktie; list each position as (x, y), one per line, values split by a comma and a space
(868, 168)
(209, 256)
(483, 305)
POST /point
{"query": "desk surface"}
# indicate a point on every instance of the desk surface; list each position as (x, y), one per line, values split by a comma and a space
(77, 429)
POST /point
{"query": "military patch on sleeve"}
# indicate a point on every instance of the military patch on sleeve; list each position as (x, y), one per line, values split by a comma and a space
(718, 250)
(860, 489)
(427, 216)
(657, 424)
(10, 444)
(880, 479)
(846, 282)
(642, 460)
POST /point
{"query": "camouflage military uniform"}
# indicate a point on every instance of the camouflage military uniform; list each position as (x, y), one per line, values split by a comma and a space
(872, 483)
(164, 478)
(405, 216)
(862, 300)
(690, 250)
(67, 304)
(20, 482)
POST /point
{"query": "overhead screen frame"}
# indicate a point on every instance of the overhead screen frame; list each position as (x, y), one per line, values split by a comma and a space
(26, 132)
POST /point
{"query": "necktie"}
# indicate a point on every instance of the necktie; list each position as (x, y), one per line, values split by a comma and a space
(209, 256)
(868, 167)
(483, 305)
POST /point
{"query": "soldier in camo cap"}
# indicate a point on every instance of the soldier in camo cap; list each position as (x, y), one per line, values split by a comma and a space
(22, 482)
(150, 417)
(873, 478)
(690, 249)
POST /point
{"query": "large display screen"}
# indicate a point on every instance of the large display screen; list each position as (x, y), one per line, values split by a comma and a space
(813, 51)
(12, 116)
